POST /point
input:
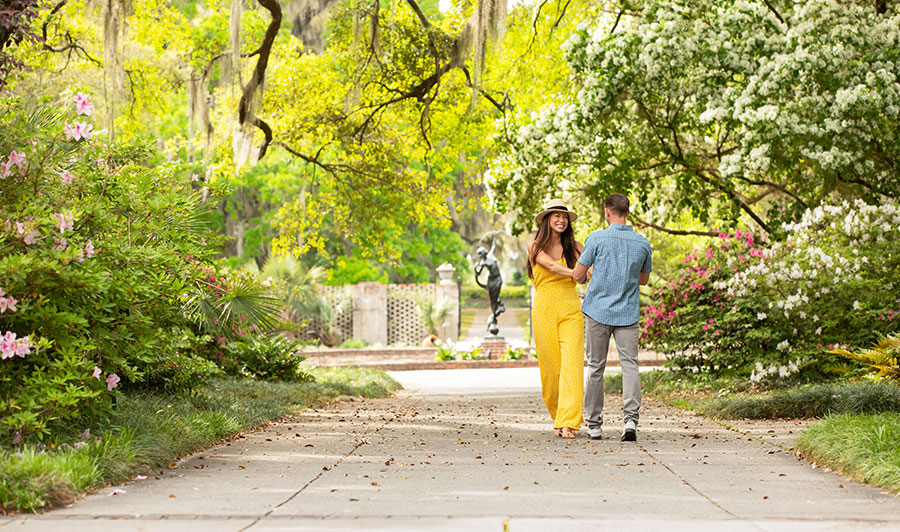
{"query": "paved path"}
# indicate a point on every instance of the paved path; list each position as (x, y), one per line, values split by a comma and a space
(471, 450)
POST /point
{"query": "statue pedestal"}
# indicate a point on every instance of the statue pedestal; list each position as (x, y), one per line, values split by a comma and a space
(494, 346)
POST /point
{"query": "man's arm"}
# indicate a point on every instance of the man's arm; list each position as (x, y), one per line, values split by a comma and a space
(647, 267)
(580, 273)
(587, 253)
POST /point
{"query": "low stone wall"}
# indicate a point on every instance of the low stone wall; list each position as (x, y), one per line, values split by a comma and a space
(369, 357)
(411, 358)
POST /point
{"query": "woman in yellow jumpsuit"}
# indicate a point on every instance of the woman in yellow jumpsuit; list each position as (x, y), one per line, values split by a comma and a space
(556, 319)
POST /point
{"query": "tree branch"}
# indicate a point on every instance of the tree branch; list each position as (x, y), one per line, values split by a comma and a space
(500, 106)
(774, 11)
(68, 47)
(245, 115)
(643, 223)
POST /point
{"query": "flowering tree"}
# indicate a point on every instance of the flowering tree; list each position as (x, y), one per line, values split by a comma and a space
(738, 309)
(723, 110)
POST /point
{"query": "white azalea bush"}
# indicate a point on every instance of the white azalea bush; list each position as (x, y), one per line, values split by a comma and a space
(769, 313)
(720, 110)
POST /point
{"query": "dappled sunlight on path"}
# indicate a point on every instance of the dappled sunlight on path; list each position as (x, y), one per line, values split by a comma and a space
(453, 452)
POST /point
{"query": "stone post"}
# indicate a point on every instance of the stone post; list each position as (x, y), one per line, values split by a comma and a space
(447, 293)
(370, 313)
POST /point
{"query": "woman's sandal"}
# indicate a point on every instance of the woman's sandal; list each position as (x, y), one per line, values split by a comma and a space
(567, 433)
(557, 432)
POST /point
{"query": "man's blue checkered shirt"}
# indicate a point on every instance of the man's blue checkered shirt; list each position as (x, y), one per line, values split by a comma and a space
(619, 256)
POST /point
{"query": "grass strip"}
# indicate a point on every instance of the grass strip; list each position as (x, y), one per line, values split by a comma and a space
(810, 401)
(152, 430)
(863, 447)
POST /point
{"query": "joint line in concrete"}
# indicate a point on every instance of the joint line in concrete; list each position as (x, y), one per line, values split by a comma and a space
(694, 488)
(317, 477)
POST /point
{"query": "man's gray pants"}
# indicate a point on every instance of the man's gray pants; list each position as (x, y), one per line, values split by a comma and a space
(597, 345)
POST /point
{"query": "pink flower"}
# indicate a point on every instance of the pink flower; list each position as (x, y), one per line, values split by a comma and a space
(11, 346)
(86, 435)
(5, 169)
(7, 303)
(7, 345)
(78, 131)
(61, 244)
(17, 158)
(96, 373)
(23, 347)
(112, 381)
(63, 222)
(83, 104)
(89, 249)
(27, 233)
(66, 177)
(18, 439)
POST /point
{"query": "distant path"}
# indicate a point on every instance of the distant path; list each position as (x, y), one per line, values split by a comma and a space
(470, 450)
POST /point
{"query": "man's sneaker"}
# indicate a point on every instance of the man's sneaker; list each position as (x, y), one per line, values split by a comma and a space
(595, 434)
(630, 432)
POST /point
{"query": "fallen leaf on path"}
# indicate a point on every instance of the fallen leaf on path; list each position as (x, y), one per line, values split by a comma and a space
(117, 491)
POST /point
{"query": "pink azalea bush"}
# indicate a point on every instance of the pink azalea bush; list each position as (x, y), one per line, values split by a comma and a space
(770, 313)
(100, 272)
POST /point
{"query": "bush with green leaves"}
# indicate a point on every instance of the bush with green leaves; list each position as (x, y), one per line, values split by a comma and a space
(513, 354)
(266, 356)
(740, 310)
(100, 250)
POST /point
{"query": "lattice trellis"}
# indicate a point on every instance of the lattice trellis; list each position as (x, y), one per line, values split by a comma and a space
(341, 300)
(404, 321)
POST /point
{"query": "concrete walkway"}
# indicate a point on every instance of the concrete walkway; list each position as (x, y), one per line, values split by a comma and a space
(472, 450)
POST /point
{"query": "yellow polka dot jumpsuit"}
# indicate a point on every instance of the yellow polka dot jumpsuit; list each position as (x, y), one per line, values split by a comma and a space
(558, 328)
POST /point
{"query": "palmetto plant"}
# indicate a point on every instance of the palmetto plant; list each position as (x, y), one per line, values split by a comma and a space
(296, 285)
(225, 307)
(883, 356)
(434, 315)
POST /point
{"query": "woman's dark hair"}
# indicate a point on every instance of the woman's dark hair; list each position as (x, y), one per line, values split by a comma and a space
(542, 240)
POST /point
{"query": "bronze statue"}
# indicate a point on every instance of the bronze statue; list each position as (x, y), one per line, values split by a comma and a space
(486, 260)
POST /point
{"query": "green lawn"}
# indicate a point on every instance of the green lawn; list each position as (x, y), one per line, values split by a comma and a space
(863, 447)
(150, 430)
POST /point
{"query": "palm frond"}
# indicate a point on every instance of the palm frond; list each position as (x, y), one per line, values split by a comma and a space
(883, 356)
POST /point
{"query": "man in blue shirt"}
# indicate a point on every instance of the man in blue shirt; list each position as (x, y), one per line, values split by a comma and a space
(621, 261)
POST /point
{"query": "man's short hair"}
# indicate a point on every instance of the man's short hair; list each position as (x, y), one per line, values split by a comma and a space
(617, 204)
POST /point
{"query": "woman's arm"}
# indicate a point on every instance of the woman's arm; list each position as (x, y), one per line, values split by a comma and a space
(552, 266)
